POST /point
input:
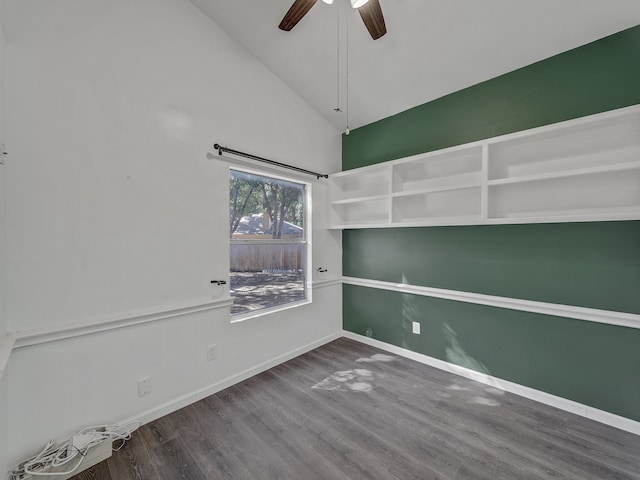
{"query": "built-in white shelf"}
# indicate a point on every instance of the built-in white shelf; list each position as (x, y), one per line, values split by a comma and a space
(567, 173)
(359, 199)
(461, 202)
(604, 191)
(587, 169)
(367, 182)
(438, 170)
(373, 211)
(436, 189)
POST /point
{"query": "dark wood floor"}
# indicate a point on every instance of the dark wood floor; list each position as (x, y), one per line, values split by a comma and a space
(348, 411)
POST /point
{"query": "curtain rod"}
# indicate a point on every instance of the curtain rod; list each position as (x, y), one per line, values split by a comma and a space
(222, 149)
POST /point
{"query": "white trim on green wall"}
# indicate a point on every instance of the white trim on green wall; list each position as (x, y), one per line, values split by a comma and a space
(620, 319)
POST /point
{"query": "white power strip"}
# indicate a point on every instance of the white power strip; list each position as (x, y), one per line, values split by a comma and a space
(65, 459)
(95, 454)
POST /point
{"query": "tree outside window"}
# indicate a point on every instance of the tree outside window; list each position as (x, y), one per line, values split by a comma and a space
(268, 243)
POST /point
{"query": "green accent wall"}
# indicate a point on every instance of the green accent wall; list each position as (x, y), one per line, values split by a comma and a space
(594, 264)
(600, 76)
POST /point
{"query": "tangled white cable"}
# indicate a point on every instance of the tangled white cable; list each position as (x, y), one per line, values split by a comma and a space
(73, 450)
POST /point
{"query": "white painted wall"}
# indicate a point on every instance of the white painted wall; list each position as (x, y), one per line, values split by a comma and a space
(3, 250)
(115, 208)
(4, 437)
(3, 140)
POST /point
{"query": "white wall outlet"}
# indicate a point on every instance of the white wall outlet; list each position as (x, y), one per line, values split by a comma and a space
(212, 352)
(144, 386)
(416, 328)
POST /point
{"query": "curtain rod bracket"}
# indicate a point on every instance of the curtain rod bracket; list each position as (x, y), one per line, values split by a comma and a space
(222, 149)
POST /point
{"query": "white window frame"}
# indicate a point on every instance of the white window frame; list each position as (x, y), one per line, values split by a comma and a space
(307, 228)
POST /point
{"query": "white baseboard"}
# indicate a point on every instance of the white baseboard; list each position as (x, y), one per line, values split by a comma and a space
(192, 397)
(548, 399)
(95, 455)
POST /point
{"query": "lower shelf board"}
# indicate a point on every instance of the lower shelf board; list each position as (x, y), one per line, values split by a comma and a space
(613, 213)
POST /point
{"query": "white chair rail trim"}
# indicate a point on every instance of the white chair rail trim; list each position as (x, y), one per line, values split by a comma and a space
(38, 336)
(7, 342)
(620, 319)
(27, 338)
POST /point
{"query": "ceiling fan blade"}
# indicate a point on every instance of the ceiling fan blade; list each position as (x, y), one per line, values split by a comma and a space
(298, 10)
(371, 14)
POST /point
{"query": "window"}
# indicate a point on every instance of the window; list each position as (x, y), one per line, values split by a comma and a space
(268, 242)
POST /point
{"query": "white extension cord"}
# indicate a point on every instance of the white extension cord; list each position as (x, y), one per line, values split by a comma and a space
(71, 452)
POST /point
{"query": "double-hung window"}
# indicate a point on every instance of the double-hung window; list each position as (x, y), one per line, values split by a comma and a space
(268, 242)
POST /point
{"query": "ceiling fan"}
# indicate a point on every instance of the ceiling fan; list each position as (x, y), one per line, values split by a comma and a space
(369, 10)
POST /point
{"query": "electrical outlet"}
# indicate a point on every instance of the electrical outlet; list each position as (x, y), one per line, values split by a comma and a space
(416, 328)
(212, 352)
(144, 386)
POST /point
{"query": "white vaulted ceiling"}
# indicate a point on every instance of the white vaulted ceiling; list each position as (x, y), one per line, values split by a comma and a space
(432, 48)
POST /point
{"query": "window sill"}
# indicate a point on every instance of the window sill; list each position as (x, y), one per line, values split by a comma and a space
(267, 311)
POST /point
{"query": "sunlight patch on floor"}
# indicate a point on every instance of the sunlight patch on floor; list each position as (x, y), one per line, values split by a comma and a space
(356, 380)
(378, 357)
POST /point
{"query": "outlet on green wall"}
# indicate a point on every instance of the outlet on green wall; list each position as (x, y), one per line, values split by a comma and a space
(593, 265)
(583, 361)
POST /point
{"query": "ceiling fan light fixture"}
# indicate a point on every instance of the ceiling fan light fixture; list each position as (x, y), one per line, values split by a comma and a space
(369, 11)
(358, 3)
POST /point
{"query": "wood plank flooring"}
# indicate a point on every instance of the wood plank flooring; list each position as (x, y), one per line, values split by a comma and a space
(347, 411)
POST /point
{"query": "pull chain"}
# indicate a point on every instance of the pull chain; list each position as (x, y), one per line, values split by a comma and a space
(337, 109)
